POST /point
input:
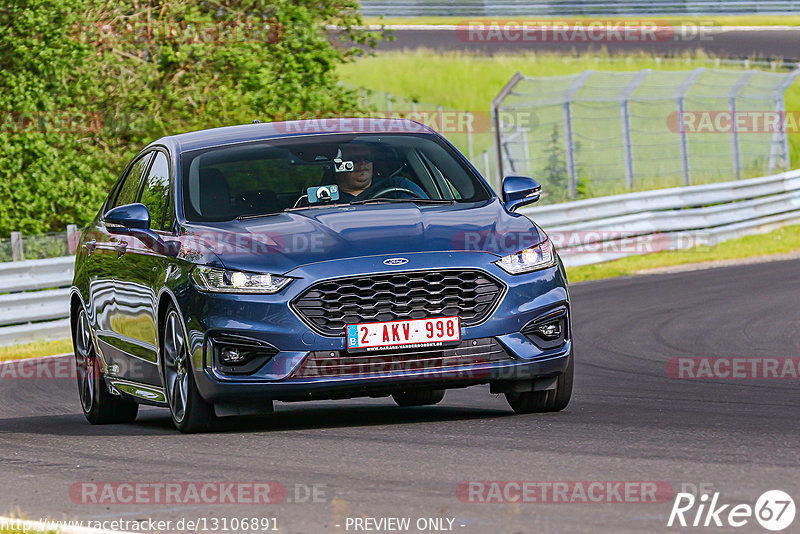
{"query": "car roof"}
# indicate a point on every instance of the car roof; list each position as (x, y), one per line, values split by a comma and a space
(271, 130)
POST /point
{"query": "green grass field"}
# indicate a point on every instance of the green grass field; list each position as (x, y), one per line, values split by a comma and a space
(781, 241)
(462, 81)
(33, 350)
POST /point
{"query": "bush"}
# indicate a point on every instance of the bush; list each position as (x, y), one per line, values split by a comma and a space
(87, 83)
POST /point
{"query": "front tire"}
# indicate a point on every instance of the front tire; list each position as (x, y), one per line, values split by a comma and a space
(418, 397)
(99, 406)
(553, 400)
(190, 412)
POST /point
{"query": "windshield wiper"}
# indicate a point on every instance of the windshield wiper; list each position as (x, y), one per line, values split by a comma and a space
(396, 200)
(256, 215)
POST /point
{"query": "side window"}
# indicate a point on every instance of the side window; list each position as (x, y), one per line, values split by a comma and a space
(130, 184)
(155, 194)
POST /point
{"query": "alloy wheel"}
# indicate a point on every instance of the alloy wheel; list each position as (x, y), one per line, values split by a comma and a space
(176, 371)
(85, 363)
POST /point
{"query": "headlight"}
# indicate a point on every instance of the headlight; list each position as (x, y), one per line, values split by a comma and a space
(531, 259)
(222, 281)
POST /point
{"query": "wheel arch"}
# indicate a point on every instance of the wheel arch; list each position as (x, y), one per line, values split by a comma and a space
(165, 298)
(75, 305)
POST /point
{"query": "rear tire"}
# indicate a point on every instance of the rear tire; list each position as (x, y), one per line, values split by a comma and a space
(190, 412)
(553, 400)
(99, 406)
(418, 397)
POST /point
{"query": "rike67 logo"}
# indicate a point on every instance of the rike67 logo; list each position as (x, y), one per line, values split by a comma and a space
(774, 510)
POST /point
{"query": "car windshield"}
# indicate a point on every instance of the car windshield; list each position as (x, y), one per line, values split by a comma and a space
(304, 172)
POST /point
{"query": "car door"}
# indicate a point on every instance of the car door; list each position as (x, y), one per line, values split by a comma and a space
(107, 249)
(141, 270)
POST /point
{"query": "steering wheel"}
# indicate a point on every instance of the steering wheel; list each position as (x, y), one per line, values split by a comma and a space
(395, 188)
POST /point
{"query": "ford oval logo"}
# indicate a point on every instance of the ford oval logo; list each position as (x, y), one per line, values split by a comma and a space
(395, 261)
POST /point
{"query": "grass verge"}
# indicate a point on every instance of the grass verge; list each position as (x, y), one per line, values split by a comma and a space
(464, 81)
(781, 241)
(34, 350)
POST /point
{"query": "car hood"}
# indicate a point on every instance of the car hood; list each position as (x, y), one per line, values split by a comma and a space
(281, 242)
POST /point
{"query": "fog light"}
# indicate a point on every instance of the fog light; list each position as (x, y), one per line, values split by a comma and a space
(231, 356)
(549, 330)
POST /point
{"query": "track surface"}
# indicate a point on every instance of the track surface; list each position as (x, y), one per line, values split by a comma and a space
(627, 421)
(767, 43)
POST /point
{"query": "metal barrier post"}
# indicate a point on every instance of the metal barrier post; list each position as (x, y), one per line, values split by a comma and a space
(72, 238)
(680, 96)
(498, 133)
(17, 250)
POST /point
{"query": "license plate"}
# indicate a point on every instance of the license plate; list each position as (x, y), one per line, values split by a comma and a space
(401, 333)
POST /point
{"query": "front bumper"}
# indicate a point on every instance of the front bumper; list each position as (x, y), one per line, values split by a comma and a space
(270, 318)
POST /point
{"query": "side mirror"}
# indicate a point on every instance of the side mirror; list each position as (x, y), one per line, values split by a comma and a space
(134, 219)
(519, 191)
(130, 216)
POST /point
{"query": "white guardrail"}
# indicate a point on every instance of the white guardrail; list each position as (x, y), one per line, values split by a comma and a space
(37, 307)
(602, 229)
(35, 304)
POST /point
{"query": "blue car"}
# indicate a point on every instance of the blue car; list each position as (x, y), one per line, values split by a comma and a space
(234, 267)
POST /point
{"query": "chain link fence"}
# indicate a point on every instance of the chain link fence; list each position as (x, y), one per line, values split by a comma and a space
(470, 131)
(603, 133)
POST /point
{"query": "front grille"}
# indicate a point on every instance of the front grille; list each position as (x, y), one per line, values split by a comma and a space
(329, 306)
(326, 363)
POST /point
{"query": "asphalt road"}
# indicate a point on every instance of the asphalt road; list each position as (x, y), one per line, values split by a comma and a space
(628, 421)
(730, 43)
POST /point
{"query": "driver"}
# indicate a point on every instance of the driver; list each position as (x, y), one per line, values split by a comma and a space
(359, 183)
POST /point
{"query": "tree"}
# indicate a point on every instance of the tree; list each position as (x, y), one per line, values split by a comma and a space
(87, 83)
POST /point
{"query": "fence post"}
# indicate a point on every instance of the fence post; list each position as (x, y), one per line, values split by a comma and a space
(569, 145)
(780, 139)
(737, 171)
(627, 146)
(389, 104)
(569, 151)
(498, 131)
(680, 95)
(17, 250)
(470, 147)
(687, 179)
(72, 238)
